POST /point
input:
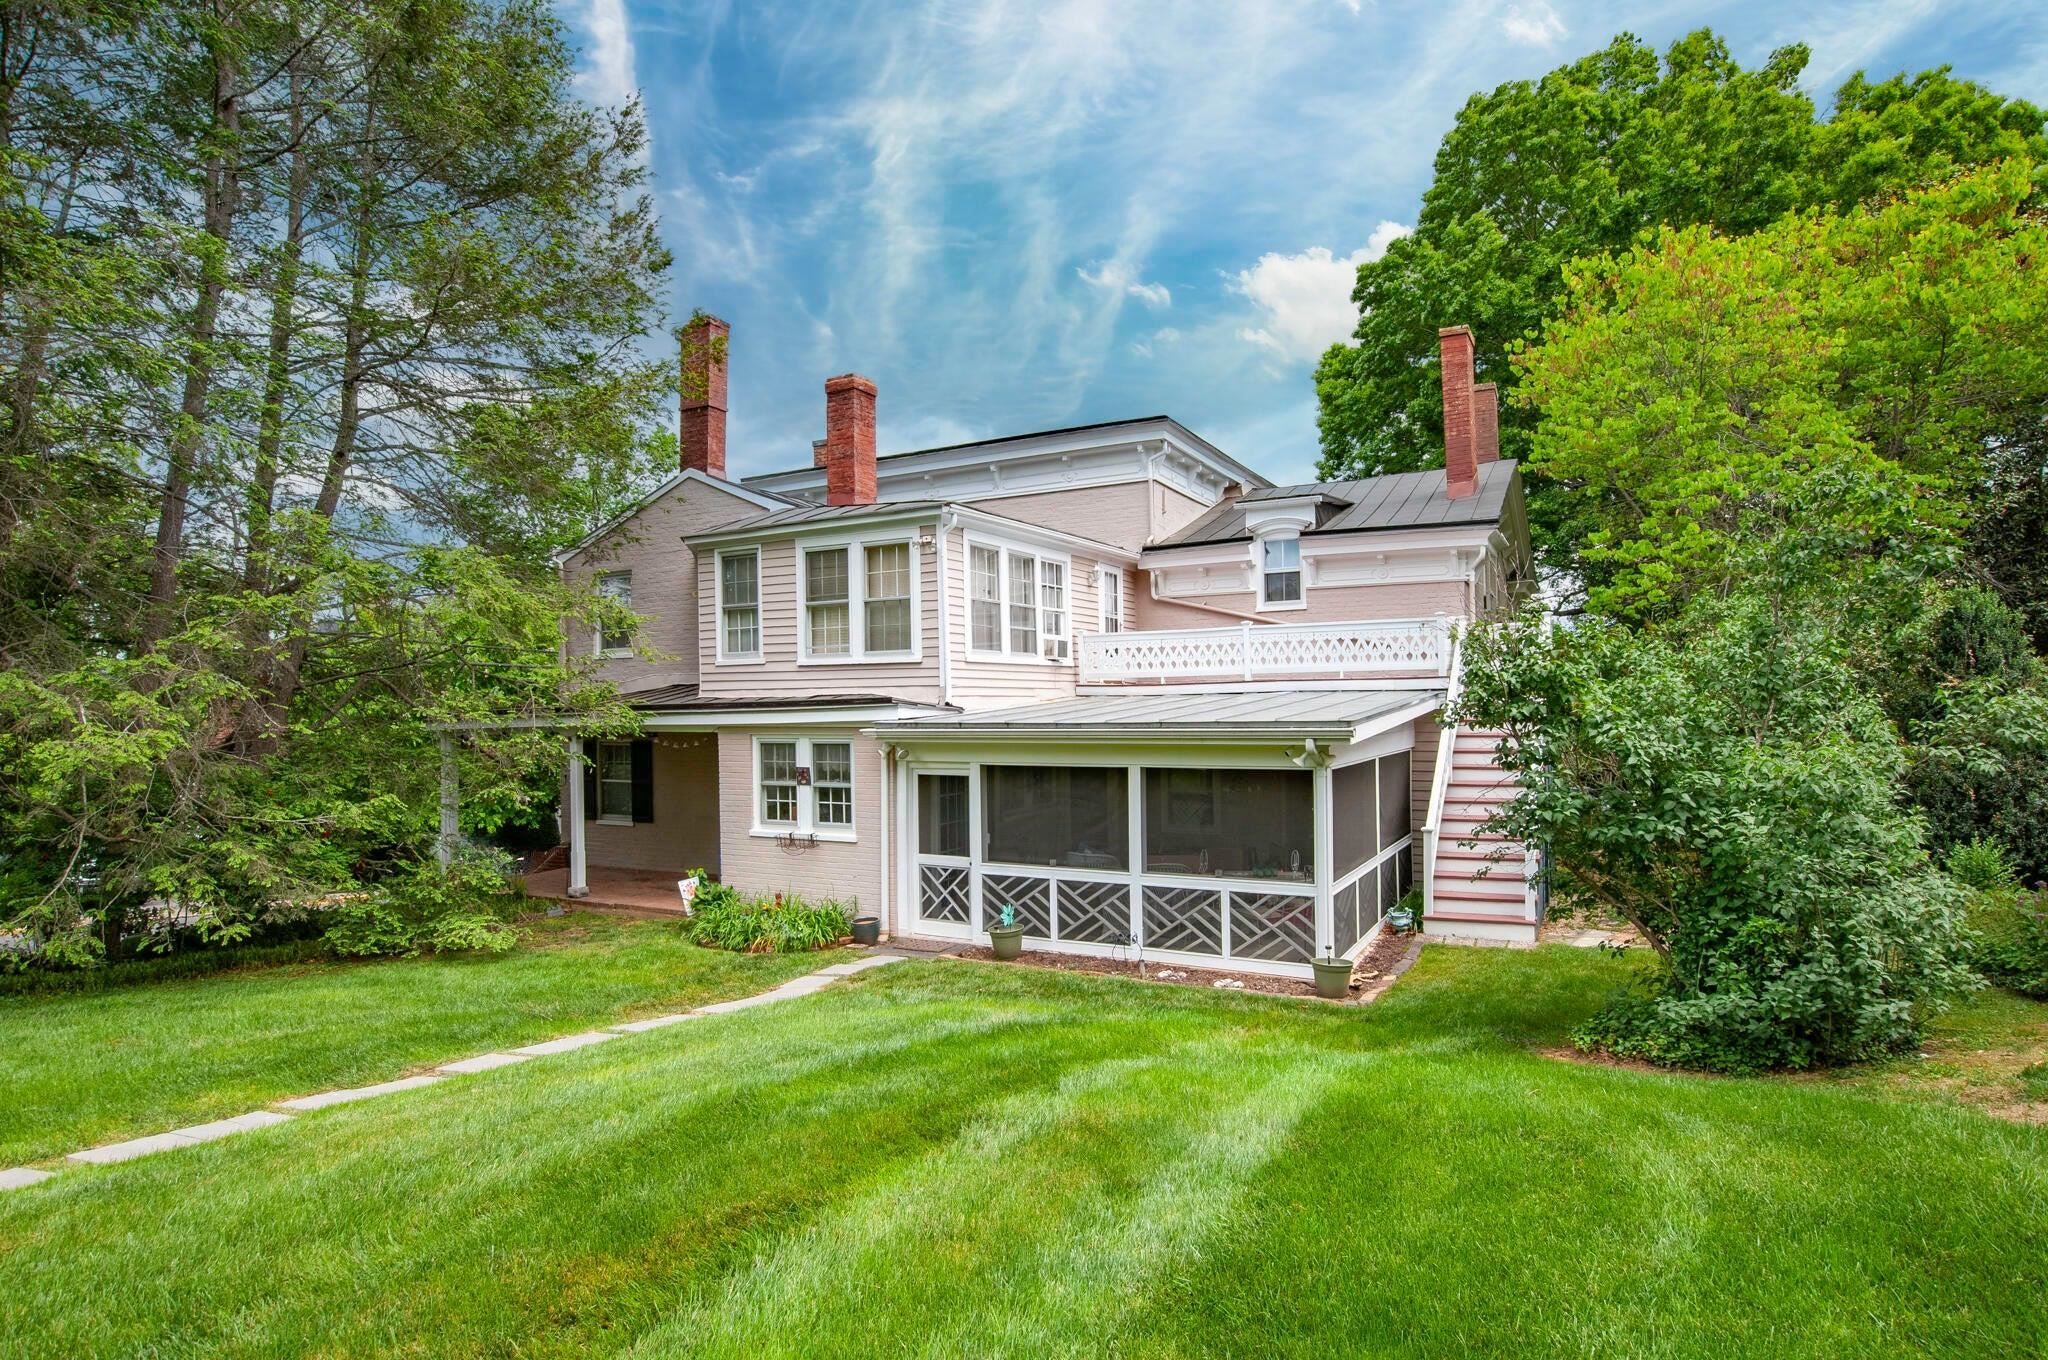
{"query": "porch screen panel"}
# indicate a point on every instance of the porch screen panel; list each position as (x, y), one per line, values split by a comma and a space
(1187, 919)
(1344, 906)
(1094, 912)
(1276, 926)
(942, 893)
(942, 815)
(1031, 898)
(1230, 823)
(1354, 821)
(1396, 814)
(1055, 816)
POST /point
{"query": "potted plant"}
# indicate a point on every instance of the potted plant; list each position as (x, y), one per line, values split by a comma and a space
(1333, 978)
(1006, 937)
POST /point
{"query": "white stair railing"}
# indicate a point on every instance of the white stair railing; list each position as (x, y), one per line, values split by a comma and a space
(1440, 782)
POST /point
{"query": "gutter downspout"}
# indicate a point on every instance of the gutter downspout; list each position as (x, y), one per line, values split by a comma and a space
(948, 521)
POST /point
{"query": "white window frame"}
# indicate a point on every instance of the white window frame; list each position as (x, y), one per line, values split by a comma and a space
(1109, 581)
(606, 751)
(1005, 549)
(856, 599)
(607, 590)
(806, 823)
(1259, 572)
(759, 654)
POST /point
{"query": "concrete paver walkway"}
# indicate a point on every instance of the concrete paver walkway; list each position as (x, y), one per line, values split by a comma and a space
(20, 1177)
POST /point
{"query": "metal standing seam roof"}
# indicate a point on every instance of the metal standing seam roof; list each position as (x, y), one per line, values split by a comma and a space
(1398, 500)
(1281, 713)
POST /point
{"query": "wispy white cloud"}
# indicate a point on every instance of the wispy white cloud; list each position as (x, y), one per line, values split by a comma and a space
(607, 74)
(1304, 300)
(1116, 277)
(1532, 22)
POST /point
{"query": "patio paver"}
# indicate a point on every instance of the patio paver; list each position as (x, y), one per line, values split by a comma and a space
(383, 1088)
(656, 1022)
(484, 1062)
(19, 1177)
(186, 1137)
(566, 1043)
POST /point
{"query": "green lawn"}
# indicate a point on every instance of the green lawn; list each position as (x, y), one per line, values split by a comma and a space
(80, 1070)
(962, 1159)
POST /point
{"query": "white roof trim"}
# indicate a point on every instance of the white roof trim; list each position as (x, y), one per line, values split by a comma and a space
(765, 500)
(886, 513)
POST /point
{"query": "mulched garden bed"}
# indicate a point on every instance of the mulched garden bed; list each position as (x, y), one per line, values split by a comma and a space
(1374, 969)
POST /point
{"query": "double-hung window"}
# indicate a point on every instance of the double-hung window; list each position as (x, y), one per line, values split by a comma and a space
(804, 785)
(885, 607)
(828, 629)
(1109, 594)
(1280, 575)
(616, 587)
(1018, 604)
(615, 781)
(860, 601)
(739, 605)
(985, 598)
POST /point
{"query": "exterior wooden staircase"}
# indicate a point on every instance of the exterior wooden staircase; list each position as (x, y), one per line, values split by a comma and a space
(1476, 882)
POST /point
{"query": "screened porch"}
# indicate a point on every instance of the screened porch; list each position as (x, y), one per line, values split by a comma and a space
(1258, 856)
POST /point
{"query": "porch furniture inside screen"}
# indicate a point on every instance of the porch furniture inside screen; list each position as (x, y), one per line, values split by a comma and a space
(1231, 823)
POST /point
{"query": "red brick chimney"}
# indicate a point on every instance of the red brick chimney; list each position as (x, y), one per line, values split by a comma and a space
(1486, 423)
(701, 432)
(817, 453)
(849, 440)
(1461, 465)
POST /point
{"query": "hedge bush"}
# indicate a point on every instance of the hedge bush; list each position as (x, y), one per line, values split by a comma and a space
(423, 909)
(724, 918)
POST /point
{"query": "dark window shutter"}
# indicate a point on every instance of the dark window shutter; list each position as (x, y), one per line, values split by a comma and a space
(589, 780)
(643, 781)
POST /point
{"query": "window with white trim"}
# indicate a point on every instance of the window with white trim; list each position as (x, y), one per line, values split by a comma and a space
(739, 604)
(615, 781)
(1109, 595)
(885, 605)
(828, 627)
(804, 784)
(775, 762)
(985, 598)
(617, 587)
(859, 600)
(1018, 605)
(832, 783)
(1280, 573)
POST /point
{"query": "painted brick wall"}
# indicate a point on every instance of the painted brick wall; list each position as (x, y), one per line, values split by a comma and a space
(665, 581)
(849, 872)
(685, 831)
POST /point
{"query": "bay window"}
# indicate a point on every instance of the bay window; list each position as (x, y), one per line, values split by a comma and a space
(1018, 604)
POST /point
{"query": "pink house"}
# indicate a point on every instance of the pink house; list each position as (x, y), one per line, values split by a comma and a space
(1109, 677)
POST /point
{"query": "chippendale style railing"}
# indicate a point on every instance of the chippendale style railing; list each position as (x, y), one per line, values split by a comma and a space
(1252, 651)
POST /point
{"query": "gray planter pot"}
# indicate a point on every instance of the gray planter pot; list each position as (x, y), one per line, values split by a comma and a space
(1333, 978)
(1006, 941)
(867, 929)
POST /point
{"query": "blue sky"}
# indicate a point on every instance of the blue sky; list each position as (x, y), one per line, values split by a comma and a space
(1015, 215)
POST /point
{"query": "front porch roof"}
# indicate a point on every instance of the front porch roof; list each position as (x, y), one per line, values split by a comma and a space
(1266, 715)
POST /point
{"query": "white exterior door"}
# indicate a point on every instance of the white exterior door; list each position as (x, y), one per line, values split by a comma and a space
(941, 817)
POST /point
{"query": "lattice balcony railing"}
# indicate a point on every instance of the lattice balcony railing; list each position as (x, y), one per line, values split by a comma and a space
(1252, 651)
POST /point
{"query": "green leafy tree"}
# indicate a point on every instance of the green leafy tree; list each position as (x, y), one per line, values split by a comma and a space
(1823, 389)
(1536, 174)
(320, 326)
(1728, 789)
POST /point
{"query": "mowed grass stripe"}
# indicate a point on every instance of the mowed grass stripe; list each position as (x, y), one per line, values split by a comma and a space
(92, 1068)
(1207, 1175)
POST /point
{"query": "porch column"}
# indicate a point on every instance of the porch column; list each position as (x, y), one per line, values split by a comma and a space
(1326, 851)
(579, 882)
(451, 827)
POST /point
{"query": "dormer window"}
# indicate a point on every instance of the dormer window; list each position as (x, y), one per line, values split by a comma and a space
(1280, 572)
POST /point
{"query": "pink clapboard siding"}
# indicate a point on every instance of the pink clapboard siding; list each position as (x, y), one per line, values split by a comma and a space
(1326, 604)
(849, 872)
(780, 673)
(665, 581)
(1124, 515)
(980, 683)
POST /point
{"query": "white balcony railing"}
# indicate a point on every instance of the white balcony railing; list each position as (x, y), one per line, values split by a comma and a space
(1252, 651)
